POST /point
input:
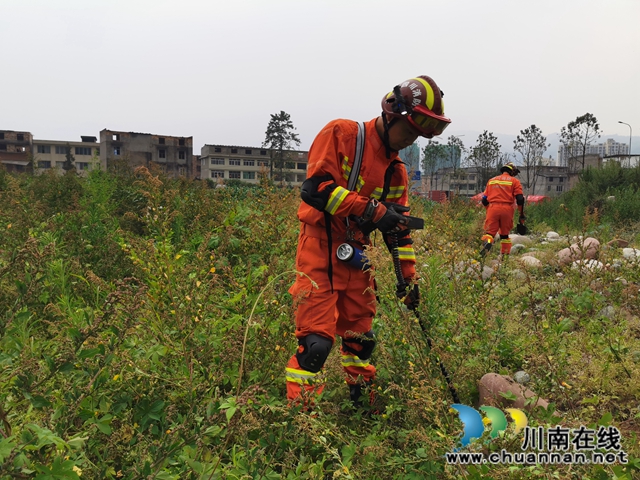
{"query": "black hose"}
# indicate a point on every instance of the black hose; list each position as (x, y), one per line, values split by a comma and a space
(401, 291)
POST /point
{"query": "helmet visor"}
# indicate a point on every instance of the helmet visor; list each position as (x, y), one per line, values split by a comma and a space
(426, 122)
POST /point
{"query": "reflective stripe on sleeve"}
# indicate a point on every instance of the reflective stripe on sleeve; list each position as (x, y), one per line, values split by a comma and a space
(396, 192)
(406, 253)
(500, 182)
(335, 199)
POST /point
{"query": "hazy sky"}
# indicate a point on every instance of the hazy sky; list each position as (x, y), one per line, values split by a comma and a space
(217, 69)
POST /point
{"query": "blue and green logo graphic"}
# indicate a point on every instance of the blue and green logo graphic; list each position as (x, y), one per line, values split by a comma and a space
(474, 424)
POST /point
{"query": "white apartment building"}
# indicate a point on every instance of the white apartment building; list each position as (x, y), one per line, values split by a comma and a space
(48, 154)
(249, 164)
(609, 148)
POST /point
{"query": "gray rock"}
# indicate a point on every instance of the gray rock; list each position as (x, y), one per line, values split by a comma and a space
(607, 312)
(516, 247)
(553, 235)
(522, 377)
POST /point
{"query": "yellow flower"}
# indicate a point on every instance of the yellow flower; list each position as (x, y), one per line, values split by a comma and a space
(116, 377)
(212, 270)
(77, 470)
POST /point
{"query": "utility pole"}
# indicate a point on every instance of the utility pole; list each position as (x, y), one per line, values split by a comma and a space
(630, 130)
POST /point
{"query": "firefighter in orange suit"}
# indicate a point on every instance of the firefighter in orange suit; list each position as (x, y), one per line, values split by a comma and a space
(500, 197)
(333, 297)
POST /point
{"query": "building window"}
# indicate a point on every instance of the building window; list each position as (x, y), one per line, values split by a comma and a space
(263, 163)
(61, 150)
(234, 150)
(181, 142)
(558, 188)
(217, 173)
(3, 147)
(302, 166)
(182, 155)
(116, 151)
(217, 161)
(234, 161)
(234, 174)
(247, 151)
(289, 165)
(82, 165)
(162, 153)
(561, 179)
(161, 140)
(290, 177)
(182, 171)
(263, 152)
(115, 137)
(300, 154)
(472, 177)
(249, 163)
(217, 149)
(83, 150)
(21, 137)
(551, 179)
(249, 175)
(1, 135)
(44, 149)
(59, 164)
(44, 164)
(548, 188)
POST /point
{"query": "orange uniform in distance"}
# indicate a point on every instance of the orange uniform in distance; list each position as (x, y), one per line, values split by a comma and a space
(501, 194)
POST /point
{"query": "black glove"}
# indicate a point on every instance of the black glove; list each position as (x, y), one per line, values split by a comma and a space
(485, 201)
(392, 217)
(410, 294)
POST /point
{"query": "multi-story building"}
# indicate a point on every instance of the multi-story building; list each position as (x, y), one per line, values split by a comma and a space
(607, 149)
(249, 164)
(16, 149)
(550, 181)
(174, 155)
(48, 154)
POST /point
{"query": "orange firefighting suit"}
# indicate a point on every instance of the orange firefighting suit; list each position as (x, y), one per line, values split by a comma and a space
(501, 194)
(344, 301)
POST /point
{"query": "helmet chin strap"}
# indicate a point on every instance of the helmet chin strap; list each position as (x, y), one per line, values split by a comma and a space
(385, 139)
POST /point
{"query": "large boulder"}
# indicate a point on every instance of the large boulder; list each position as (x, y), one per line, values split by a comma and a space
(586, 250)
(523, 239)
(492, 385)
(530, 262)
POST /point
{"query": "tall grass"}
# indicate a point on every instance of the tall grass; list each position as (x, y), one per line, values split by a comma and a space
(145, 324)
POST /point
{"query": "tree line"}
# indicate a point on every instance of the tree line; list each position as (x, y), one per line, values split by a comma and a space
(528, 147)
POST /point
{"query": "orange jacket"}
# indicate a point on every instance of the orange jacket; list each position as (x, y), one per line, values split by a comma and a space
(332, 154)
(503, 189)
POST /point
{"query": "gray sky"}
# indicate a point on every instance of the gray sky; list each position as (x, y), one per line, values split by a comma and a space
(216, 70)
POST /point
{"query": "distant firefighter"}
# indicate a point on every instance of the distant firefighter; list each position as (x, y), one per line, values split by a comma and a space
(500, 197)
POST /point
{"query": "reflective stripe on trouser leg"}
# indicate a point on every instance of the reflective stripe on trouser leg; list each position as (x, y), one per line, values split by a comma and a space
(300, 381)
(355, 367)
(505, 246)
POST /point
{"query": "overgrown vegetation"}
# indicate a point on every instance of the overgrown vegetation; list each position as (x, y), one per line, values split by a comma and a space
(145, 324)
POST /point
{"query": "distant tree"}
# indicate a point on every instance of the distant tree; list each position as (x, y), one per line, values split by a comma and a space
(576, 138)
(69, 162)
(431, 154)
(484, 156)
(456, 150)
(411, 156)
(530, 144)
(280, 137)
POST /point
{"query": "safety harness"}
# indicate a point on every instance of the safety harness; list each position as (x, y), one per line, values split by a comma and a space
(351, 186)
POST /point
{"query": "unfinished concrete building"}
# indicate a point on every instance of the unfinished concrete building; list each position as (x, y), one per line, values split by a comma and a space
(16, 150)
(174, 155)
(52, 154)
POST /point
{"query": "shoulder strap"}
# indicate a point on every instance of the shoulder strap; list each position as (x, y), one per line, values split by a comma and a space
(388, 174)
(357, 159)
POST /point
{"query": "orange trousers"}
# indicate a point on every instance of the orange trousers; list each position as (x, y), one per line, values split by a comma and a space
(346, 310)
(499, 219)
